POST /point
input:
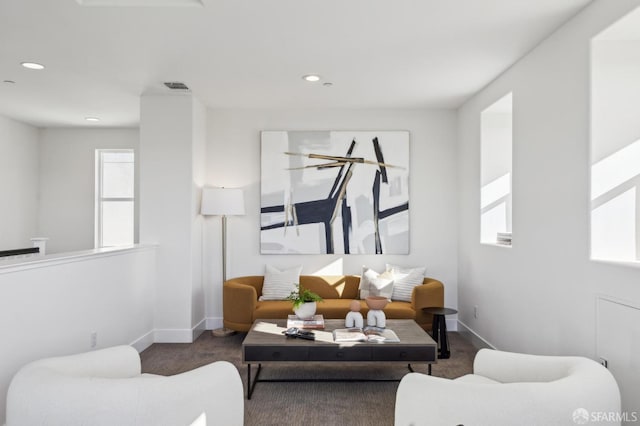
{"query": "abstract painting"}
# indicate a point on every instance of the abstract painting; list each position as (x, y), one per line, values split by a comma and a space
(334, 192)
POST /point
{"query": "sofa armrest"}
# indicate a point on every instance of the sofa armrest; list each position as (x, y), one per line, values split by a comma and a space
(429, 294)
(239, 299)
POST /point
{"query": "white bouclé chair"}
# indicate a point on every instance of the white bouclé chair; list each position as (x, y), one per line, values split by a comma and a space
(509, 389)
(106, 387)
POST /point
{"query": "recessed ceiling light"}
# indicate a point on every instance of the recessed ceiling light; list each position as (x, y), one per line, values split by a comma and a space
(9, 82)
(327, 84)
(311, 77)
(92, 119)
(32, 65)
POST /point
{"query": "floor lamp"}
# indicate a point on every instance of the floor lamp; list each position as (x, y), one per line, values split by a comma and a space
(222, 202)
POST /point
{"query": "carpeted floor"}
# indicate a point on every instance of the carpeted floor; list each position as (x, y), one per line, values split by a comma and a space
(308, 403)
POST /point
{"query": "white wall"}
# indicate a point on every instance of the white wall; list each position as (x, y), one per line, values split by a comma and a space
(233, 160)
(50, 308)
(67, 183)
(540, 296)
(18, 184)
(199, 162)
(171, 137)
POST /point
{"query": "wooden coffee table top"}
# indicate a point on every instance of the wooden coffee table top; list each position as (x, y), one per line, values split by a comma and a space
(415, 345)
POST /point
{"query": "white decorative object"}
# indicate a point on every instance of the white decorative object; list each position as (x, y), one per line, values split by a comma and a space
(354, 317)
(376, 318)
(306, 310)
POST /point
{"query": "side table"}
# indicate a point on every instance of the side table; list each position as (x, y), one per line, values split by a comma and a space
(439, 329)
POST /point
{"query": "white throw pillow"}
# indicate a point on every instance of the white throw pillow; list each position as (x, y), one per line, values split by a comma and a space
(404, 280)
(278, 284)
(375, 284)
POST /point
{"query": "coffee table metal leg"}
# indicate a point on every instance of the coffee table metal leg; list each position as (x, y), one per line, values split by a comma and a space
(248, 381)
(250, 386)
(412, 371)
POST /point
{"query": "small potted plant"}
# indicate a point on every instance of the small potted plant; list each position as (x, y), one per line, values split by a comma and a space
(304, 301)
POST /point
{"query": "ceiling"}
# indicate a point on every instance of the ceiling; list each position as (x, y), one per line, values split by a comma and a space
(253, 53)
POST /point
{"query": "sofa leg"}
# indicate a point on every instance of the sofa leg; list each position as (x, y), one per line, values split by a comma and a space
(223, 332)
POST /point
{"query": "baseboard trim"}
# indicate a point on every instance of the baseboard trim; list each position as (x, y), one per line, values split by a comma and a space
(179, 335)
(198, 329)
(477, 340)
(452, 324)
(143, 342)
(213, 323)
(173, 336)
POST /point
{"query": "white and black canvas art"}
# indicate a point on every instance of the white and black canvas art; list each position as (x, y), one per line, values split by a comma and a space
(334, 192)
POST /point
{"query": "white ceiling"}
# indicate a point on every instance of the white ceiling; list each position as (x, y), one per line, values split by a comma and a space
(252, 53)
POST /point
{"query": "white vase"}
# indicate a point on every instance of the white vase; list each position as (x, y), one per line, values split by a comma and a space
(306, 310)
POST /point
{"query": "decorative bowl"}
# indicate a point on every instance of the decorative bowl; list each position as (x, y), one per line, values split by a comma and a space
(376, 302)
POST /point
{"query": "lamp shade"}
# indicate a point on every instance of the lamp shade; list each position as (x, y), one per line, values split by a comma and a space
(222, 202)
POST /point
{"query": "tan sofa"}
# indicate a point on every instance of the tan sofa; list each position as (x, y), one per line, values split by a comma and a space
(241, 306)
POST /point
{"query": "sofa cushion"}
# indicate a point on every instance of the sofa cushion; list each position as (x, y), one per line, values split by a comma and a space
(404, 280)
(273, 309)
(334, 308)
(399, 310)
(279, 284)
(375, 284)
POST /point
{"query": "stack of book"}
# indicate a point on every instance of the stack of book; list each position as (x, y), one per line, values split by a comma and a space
(315, 322)
(368, 334)
(504, 238)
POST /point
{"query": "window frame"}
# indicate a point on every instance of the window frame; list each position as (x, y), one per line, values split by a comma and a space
(99, 199)
(503, 105)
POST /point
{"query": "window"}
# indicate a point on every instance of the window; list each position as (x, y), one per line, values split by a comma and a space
(615, 142)
(496, 139)
(115, 202)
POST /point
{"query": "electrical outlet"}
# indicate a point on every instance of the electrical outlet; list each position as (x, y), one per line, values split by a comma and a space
(94, 339)
(475, 311)
(604, 362)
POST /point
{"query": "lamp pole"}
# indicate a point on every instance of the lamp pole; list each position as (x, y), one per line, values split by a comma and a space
(222, 202)
(224, 248)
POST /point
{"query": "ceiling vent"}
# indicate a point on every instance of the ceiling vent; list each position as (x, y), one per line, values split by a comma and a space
(176, 85)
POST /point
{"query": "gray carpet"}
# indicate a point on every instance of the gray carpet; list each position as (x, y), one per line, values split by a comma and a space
(311, 403)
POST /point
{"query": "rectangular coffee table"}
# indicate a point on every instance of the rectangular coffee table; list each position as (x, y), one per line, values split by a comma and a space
(272, 347)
